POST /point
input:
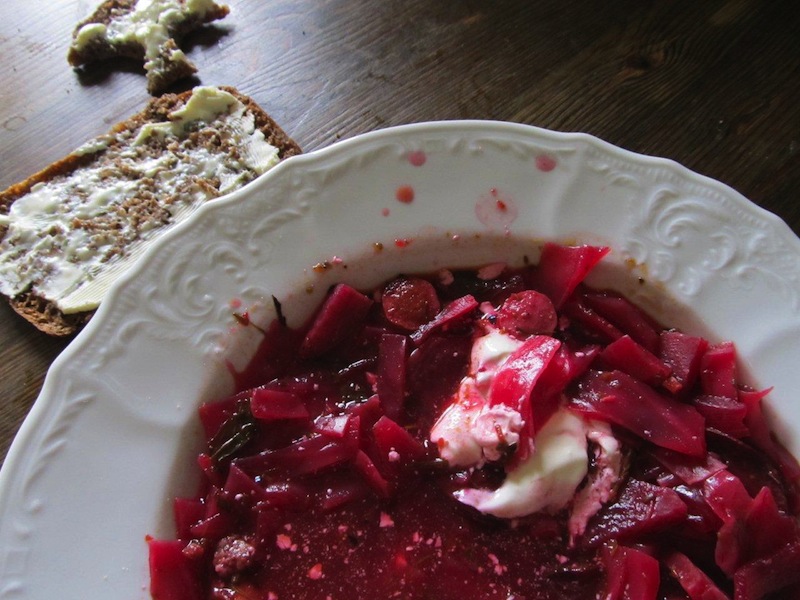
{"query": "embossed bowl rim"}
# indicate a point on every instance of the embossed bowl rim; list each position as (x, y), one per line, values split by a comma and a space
(696, 241)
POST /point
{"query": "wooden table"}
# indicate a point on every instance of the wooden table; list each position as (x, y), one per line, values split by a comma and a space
(712, 84)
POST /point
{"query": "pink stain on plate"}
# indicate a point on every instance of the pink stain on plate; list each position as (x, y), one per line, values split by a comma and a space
(496, 210)
(405, 194)
(545, 163)
(417, 158)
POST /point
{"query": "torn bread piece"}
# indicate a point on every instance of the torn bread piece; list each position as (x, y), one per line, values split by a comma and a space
(69, 231)
(143, 29)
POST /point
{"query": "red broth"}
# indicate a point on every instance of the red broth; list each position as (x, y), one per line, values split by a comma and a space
(333, 472)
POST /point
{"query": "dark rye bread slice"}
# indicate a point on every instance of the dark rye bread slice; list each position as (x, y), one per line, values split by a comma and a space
(43, 312)
(168, 64)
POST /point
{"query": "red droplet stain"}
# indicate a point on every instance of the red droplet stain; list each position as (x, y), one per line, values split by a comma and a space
(385, 212)
(496, 209)
(417, 158)
(235, 303)
(402, 242)
(405, 194)
(545, 163)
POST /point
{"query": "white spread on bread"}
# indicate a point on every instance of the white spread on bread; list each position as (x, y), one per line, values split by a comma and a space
(148, 24)
(70, 237)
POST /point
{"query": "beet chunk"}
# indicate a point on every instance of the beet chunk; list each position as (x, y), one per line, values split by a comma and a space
(449, 315)
(275, 405)
(391, 382)
(682, 353)
(562, 268)
(640, 510)
(697, 584)
(173, 576)
(625, 316)
(341, 314)
(770, 574)
(634, 359)
(617, 397)
(631, 575)
(718, 371)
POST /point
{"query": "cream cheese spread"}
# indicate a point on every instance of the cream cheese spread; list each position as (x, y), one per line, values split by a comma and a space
(470, 433)
(69, 238)
(547, 480)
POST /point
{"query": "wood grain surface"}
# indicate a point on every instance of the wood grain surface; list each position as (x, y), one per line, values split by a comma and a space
(712, 84)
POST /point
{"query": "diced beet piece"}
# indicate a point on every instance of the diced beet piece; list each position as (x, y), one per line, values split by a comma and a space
(275, 405)
(334, 426)
(372, 476)
(764, 439)
(564, 368)
(214, 527)
(436, 367)
(515, 380)
(273, 357)
(214, 414)
(693, 580)
(367, 413)
(718, 371)
(527, 313)
(634, 359)
(391, 437)
(173, 576)
(410, 302)
(278, 494)
(682, 353)
(770, 528)
(344, 491)
(562, 268)
(305, 456)
(641, 509)
(208, 466)
(768, 575)
(187, 512)
(239, 482)
(726, 495)
(342, 313)
(618, 398)
(689, 469)
(702, 523)
(391, 385)
(625, 316)
(723, 414)
(762, 531)
(590, 321)
(631, 574)
(449, 315)
(289, 495)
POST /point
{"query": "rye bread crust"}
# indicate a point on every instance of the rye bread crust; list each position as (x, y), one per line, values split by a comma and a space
(98, 49)
(43, 313)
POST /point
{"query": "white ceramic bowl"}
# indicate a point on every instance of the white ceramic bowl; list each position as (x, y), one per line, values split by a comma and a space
(112, 437)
